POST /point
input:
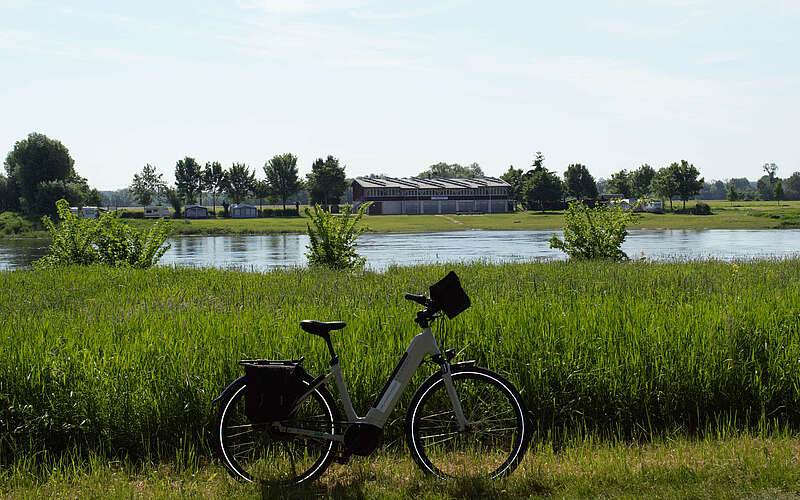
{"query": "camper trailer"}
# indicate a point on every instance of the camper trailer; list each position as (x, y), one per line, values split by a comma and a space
(156, 212)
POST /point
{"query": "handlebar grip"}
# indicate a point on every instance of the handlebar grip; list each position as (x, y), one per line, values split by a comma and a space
(419, 299)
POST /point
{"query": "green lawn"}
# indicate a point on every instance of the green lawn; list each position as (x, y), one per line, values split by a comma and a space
(739, 215)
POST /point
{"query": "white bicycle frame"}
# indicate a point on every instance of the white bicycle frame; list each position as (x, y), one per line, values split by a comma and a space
(424, 344)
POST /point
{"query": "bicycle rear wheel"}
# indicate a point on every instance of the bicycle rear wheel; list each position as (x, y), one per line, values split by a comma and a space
(496, 436)
(258, 452)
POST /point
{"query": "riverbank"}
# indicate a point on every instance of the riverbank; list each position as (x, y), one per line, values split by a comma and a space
(726, 215)
(723, 467)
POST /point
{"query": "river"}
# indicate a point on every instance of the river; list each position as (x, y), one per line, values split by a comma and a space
(263, 252)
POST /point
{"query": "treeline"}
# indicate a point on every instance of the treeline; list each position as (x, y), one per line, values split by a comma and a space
(540, 188)
(324, 185)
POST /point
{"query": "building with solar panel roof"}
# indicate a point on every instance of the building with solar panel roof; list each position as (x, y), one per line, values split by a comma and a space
(414, 195)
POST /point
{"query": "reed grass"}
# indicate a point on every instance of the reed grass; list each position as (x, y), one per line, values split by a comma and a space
(125, 363)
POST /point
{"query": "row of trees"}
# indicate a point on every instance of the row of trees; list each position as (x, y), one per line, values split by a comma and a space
(325, 184)
(540, 188)
(39, 172)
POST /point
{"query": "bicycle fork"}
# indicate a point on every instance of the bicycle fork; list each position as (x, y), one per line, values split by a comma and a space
(447, 379)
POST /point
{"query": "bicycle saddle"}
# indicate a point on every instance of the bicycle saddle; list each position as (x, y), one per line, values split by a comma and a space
(321, 328)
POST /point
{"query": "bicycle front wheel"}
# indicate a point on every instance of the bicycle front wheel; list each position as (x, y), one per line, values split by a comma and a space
(258, 452)
(494, 440)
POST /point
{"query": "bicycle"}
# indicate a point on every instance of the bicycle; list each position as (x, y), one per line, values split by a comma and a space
(279, 423)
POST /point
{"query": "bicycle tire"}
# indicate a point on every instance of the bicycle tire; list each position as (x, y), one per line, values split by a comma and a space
(497, 435)
(257, 452)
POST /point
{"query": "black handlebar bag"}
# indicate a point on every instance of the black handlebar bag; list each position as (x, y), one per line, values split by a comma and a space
(272, 390)
(449, 296)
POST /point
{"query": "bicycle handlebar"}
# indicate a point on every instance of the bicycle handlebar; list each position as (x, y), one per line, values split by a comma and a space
(419, 299)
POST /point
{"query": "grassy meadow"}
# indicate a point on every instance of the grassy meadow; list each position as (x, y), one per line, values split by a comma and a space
(125, 364)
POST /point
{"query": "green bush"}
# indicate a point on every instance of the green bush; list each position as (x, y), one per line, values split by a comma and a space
(131, 214)
(594, 233)
(702, 209)
(105, 240)
(333, 237)
(14, 223)
(279, 212)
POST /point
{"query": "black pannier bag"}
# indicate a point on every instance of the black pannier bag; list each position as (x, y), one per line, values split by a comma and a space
(449, 296)
(272, 389)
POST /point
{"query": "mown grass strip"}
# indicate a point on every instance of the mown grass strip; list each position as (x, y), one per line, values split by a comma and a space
(744, 465)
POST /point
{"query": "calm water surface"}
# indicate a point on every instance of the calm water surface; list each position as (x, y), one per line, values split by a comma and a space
(263, 252)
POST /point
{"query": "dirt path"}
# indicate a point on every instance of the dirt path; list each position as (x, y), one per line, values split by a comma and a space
(453, 220)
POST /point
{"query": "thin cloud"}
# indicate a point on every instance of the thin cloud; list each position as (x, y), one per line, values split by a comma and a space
(371, 15)
(298, 6)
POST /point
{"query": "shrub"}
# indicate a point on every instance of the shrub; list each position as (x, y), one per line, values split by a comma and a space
(279, 212)
(14, 223)
(105, 240)
(595, 233)
(333, 237)
(131, 214)
(702, 209)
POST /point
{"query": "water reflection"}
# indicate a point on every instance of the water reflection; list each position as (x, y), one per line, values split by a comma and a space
(263, 252)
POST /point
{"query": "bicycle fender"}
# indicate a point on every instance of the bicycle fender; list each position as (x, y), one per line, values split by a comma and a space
(463, 364)
(218, 398)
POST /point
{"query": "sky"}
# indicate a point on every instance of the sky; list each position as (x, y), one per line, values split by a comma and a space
(394, 87)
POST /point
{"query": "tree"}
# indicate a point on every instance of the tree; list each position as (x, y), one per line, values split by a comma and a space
(513, 176)
(665, 184)
(541, 187)
(778, 192)
(741, 184)
(765, 188)
(579, 182)
(641, 180)
(240, 182)
(770, 169)
(793, 186)
(538, 161)
(620, 183)
(33, 161)
(174, 199)
(75, 191)
(733, 194)
(261, 189)
(454, 170)
(147, 185)
(281, 172)
(326, 182)
(8, 195)
(716, 190)
(214, 178)
(688, 183)
(188, 178)
(118, 198)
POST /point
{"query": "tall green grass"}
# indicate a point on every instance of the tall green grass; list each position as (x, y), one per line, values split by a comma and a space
(126, 363)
